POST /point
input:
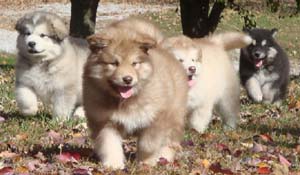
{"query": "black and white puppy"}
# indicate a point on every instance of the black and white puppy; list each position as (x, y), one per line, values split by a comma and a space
(264, 67)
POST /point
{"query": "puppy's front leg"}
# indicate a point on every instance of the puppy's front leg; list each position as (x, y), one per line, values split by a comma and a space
(108, 146)
(201, 117)
(254, 89)
(26, 100)
(63, 105)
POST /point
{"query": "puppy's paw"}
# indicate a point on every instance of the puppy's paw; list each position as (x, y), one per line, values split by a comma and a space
(113, 163)
(29, 111)
(257, 98)
(198, 127)
(79, 113)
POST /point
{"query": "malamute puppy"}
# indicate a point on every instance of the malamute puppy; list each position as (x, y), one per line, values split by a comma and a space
(49, 65)
(131, 86)
(264, 67)
(212, 79)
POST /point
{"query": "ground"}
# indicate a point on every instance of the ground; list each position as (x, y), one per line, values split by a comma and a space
(267, 140)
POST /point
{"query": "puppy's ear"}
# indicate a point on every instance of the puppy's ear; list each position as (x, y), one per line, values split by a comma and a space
(98, 42)
(21, 24)
(59, 29)
(146, 43)
(274, 32)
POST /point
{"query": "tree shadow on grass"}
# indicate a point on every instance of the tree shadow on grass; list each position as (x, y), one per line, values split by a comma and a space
(6, 66)
(262, 128)
(16, 115)
(85, 153)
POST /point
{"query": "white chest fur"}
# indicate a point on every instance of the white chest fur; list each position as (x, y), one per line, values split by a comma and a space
(136, 117)
(265, 77)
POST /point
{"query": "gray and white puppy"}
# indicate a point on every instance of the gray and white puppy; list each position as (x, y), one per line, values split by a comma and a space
(49, 65)
(264, 67)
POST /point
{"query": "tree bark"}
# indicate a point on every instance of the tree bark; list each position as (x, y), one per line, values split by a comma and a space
(197, 21)
(83, 17)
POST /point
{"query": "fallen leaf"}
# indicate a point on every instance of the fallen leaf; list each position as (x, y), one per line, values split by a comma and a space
(264, 170)
(7, 154)
(298, 149)
(33, 164)
(258, 147)
(266, 138)
(223, 147)
(237, 153)
(2, 119)
(186, 143)
(22, 170)
(262, 164)
(68, 157)
(6, 171)
(217, 168)
(163, 161)
(55, 137)
(77, 139)
(281, 169)
(205, 163)
(22, 136)
(284, 161)
(247, 145)
(82, 171)
(40, 156)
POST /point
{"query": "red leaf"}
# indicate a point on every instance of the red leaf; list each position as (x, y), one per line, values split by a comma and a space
(217, 168)
(223, 147)
(266, 138)
(186, 143)
(237, 153)
(68, 157)
(76, 156)
(81, 171)
(6, 170)
(284, 161)
(263, 170)
(163, 161)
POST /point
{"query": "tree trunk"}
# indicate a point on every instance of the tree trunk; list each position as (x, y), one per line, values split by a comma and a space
(83, 17)
(196, 19)
(298, 5)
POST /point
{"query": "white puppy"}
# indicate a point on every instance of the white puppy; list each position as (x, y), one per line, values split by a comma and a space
(49, 65)
(211, 76)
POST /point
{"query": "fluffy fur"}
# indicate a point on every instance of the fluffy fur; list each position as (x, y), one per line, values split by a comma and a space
(131, 86)
(49, 65)
(211, 77)
(264, 67)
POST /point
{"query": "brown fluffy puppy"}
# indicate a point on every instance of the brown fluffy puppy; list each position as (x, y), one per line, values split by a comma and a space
(212, 79)
(133, 87)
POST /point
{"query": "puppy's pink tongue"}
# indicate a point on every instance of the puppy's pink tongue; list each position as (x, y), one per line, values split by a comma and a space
(191, 82)
(125, 92)
(259, 63)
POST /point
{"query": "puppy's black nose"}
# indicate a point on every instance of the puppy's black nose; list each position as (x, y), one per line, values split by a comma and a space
(192, 69)
(257, 54)
(127, 79)
(31, 44)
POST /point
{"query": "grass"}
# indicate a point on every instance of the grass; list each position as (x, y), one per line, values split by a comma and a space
(287, 25)
(265, 132)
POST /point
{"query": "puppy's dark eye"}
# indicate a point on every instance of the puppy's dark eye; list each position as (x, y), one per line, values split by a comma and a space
(193, 60)
(115, 63)
(135, 63)
(42, 35)
(27, 33)
(181, 60)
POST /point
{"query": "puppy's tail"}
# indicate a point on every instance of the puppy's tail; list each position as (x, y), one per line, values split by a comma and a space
(231, 40)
